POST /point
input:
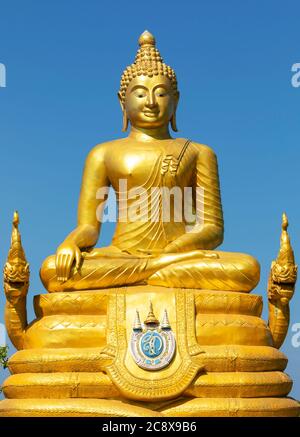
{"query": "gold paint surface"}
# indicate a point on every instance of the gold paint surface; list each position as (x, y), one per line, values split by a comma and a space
(233, 407)
(228, 302)
(240, 385)
(213, 329)
(73, 408)
(59, 360)
(67, 385)
(64, 330)
(219, 358)
(59, 386)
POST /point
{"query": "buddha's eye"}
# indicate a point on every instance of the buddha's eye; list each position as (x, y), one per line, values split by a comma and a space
(161, 92)
(140, 94)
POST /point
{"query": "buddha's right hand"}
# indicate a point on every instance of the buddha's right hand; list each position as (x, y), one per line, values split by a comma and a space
(66, 254)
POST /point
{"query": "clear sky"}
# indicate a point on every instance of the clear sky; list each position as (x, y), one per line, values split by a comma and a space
(233, 60)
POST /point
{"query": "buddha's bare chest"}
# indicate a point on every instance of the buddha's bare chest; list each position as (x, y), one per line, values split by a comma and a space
(147, 166)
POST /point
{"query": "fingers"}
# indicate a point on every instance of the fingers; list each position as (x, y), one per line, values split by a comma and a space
(68, 265)
(63, 263)
(78, 259)
(58, 263)
(63, 267)
(66, 254)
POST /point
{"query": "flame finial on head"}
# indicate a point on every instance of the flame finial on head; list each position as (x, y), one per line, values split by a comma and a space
(147, 38)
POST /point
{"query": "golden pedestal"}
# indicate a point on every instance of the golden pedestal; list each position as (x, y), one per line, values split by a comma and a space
(77, 361)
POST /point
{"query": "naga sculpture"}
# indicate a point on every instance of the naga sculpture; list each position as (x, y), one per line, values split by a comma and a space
(202, 348)
(281, 287)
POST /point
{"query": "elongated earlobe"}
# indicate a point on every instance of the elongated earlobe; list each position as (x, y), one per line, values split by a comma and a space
(125, 122)
(173, 122)
(125, 118)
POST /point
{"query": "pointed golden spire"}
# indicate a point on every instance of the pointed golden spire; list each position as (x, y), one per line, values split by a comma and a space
(16, 268)
(151, 319)
(165, 324)
(285, 254)
(137, 326)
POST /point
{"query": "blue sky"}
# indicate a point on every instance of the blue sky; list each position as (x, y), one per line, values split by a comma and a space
(233, 60)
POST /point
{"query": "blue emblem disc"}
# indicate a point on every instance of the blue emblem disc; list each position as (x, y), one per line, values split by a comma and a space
(152, 344)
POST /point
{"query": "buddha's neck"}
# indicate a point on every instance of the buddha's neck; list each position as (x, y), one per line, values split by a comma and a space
(147, 135)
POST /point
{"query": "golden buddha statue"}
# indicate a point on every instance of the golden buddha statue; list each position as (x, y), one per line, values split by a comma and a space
(203, 349)
(156, 252)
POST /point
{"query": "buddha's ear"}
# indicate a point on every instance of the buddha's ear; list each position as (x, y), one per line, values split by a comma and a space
(125, 118)
(173, 118)
(173, 122)
(121, 102)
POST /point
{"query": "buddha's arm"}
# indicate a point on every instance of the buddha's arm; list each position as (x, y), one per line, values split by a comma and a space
(90, 210)
(91, 201)
(208, 231)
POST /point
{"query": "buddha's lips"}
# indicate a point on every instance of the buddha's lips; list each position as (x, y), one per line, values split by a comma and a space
(151, 113)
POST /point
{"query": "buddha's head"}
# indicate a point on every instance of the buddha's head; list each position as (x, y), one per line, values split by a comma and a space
(148, 92)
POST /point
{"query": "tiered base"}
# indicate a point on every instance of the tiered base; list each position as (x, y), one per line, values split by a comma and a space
(71, 347)
(211, 407)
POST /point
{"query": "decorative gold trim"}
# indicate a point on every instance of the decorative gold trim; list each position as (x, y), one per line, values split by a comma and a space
(133, 387)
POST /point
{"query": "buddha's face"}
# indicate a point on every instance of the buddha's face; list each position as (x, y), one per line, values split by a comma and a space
(150, 102)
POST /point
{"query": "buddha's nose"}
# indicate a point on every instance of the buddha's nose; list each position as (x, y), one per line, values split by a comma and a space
(151, 101)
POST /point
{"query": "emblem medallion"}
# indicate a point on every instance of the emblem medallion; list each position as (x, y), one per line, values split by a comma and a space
(152, 344)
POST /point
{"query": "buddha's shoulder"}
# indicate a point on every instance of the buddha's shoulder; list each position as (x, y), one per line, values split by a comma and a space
(202, 149)
(101, 150)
